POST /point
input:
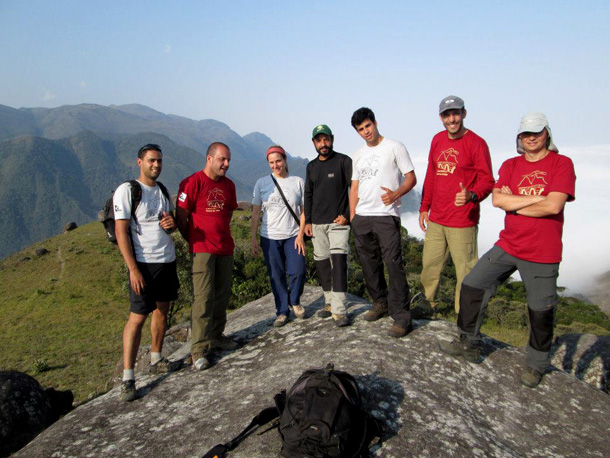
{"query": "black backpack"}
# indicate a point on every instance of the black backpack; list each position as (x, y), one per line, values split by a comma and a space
(106, 215)
(320, 416)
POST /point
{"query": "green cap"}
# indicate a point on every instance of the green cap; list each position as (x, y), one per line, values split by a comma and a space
(321, 129)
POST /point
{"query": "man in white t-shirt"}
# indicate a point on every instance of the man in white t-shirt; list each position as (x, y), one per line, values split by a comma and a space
(382, 174)
(148, 250)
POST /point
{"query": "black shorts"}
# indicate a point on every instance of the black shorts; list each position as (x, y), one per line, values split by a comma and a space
(162, 285)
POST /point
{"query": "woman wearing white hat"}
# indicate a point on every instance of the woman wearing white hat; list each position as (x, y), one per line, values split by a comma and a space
(532, 189)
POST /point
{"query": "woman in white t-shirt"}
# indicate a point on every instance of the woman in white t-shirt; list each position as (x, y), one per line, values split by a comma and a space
(281, 236)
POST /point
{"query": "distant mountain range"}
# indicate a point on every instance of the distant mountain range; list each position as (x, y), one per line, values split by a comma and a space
(59, 165)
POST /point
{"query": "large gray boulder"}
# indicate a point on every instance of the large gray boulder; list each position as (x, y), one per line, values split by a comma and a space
(430, 404)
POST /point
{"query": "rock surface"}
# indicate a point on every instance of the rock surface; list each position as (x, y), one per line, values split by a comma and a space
(430, 404)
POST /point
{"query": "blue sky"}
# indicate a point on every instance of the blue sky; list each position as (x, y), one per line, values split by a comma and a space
(282, 67)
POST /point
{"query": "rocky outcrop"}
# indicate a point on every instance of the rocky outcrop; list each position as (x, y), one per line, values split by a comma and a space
(429, 404)
(70, 227)
(39, 252)
(26, 409)
(244, 206)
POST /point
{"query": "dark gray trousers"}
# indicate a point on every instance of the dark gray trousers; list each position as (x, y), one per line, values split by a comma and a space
(377, 240)
(540, 281)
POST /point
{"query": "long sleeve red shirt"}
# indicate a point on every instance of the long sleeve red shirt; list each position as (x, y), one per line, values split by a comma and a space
(464, 160)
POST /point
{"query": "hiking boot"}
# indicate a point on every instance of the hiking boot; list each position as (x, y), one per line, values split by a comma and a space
(379, 310)
(224, 343)
(163, 366)
(421, 312)
(325, 312)
(531, 378)
(280, 321)
(299, 311)
(421, 308)
(200, 362)
(461, 346)
(341, 320)
(397, 330)
(128, 390)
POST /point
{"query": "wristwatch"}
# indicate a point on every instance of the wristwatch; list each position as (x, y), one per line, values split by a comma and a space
(474, 198)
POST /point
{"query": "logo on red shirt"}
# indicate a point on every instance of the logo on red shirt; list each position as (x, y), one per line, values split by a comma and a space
(447, 162)
(532, 184)
(216, 201)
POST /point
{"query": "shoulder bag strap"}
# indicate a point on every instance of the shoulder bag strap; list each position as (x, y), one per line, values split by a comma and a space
(298, 220)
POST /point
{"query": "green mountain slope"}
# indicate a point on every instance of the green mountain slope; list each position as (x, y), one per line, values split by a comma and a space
(59, 165)
(47, 183)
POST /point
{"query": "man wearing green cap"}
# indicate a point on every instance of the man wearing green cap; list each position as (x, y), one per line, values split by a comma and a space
(327, 220)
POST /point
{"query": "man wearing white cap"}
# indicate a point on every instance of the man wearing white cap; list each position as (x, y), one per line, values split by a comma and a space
(459, 176)
(532, 189)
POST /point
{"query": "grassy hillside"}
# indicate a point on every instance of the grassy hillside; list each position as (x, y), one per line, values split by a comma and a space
(64, 311)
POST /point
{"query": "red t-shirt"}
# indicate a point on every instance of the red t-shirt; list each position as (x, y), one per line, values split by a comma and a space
(211, 204)
(464, 160)
(525, 237)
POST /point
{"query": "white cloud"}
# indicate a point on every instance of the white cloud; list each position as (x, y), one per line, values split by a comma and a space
(167, 49)
(48, 95)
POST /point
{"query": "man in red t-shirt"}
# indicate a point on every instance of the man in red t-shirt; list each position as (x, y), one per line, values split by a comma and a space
(532, 189)
(206, 201)
(459, 176)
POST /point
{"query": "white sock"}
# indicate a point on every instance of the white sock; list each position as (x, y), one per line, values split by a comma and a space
(155, 357)
(128, 374)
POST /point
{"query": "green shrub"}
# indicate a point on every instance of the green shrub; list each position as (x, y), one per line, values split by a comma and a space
(40, 365)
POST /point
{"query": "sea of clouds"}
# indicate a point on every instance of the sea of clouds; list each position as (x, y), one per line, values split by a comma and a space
(586, 235)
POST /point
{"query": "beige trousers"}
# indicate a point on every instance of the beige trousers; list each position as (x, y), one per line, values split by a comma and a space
(440, 241)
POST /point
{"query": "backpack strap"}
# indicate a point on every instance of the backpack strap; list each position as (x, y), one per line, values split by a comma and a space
(136, 197)
(263, 417)
(164, 191)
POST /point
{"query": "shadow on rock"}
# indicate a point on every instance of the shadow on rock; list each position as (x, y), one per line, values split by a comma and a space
(488, 346)
(586, 356)
(382, 398)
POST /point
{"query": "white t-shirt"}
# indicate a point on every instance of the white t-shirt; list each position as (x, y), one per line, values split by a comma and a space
(278, 223)
(382, 165)
(152, 244)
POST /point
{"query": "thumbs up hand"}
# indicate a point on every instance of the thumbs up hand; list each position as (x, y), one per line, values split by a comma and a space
(462, 197)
